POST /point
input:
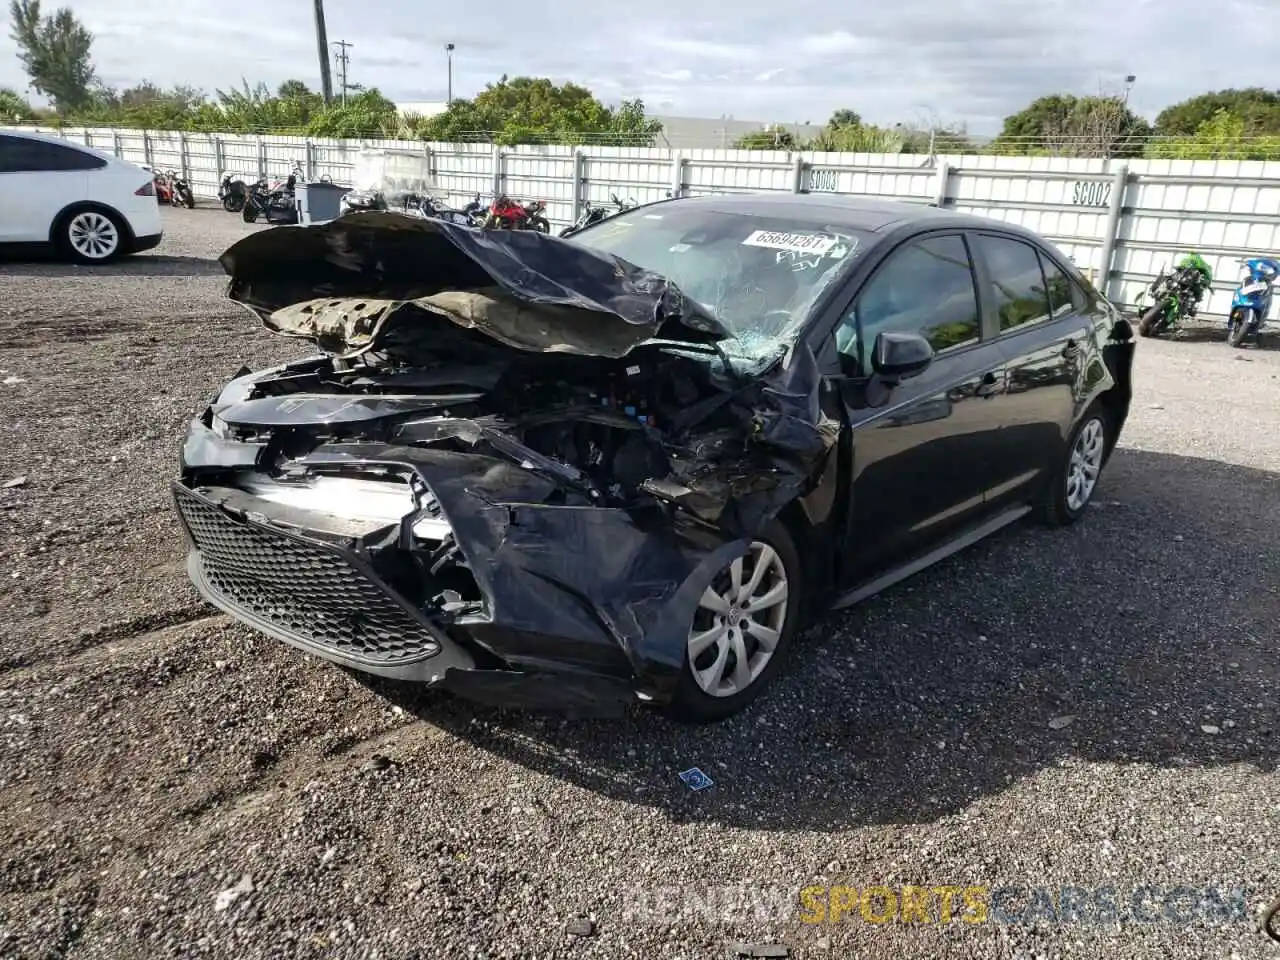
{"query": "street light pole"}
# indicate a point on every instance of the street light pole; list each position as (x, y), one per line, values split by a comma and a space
(1128, 85)
(448, 53)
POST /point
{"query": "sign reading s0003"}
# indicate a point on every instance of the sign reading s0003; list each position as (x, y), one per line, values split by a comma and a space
(1091, 193)
(823, 181)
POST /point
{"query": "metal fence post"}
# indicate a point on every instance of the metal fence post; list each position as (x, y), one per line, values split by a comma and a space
(311, 161)
(262, 158)
(677, 176)
(940, 186)
(579, 183)
(146, 149)
(115, 141)
(1111, 234)
(497, 171)
(797, 173)
(185, 168)
(217, 158)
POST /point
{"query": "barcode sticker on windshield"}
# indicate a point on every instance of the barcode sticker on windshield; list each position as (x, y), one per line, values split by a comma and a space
(799, 242)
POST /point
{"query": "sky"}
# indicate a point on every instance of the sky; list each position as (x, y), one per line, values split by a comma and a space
(954, 61)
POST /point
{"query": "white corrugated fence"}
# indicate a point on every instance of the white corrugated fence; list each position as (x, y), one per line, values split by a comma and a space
(1134, 215)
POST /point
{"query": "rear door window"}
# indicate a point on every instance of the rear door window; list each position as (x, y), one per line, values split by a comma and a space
(1017, 284)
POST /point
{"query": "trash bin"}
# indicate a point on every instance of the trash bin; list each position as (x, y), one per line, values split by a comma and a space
(319, 201)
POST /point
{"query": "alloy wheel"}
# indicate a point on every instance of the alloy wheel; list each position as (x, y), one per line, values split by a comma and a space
(92, 235)
(1085, 464)
(739, 622)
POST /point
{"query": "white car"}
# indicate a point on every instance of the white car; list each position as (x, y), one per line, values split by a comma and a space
(87, 205)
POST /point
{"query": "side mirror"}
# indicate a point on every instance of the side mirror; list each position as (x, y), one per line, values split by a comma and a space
(899, 356)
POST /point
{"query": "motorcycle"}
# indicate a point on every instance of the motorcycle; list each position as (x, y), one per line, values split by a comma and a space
(1252, 299)
(163, 190)
(591, 215)
(232, 192)
(1175, 295)
(273, 202)
(506, 214)
(180, 194)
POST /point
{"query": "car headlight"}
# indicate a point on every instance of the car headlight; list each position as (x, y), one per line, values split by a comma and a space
(219, 427)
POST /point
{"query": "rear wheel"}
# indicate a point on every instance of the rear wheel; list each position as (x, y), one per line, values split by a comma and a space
(1075, 478)
(741, 631)
(249, 214)
(1152, 321)
(188, 198)
(92, 237)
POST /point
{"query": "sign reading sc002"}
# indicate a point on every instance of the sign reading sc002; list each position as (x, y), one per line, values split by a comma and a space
(1091, 193)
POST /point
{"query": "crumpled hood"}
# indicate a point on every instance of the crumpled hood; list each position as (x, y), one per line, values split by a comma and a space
(338, 284)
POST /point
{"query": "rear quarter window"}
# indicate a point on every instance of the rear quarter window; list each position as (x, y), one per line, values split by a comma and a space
(21, 155)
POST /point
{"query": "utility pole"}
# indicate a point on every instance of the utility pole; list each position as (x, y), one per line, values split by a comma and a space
(343, 59)
(322, 44)
(448, 54)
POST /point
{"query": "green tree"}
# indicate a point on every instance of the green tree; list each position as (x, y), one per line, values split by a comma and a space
(1066, 125)
(863, 138)
(535, 110)
(844, 118)
(770, 138)
(1258, 110)
(14, 108)
(1224, 136)
(54, 51)
(367, 114)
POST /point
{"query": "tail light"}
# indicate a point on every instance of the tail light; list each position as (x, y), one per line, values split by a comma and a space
(148, 189)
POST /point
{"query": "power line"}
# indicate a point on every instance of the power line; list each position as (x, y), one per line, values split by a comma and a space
(343, 59)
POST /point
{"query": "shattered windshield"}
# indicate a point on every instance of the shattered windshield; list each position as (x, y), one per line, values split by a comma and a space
(760, 276)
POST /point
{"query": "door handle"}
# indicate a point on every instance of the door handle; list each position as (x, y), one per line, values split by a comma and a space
(989, 386)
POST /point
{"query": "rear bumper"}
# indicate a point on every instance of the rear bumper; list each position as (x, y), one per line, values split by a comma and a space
(148, 242)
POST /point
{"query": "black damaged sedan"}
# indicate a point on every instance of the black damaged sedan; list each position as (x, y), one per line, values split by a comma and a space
(633, 464)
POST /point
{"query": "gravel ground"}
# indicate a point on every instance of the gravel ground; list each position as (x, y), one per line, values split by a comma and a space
(172, 784)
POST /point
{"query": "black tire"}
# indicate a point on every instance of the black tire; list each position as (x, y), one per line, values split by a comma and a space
(1151, 320)
(1235, 332)
(188, 198)
(70, 230)
(232, 203)
(690, 703)
(248, 214)
(1053, 507)
(1270, 921)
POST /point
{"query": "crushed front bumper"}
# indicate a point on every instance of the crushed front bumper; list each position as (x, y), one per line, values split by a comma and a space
(301, 578)
(317, 594)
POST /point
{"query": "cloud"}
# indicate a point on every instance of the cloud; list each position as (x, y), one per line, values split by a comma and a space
(974, 61)
(829, 44)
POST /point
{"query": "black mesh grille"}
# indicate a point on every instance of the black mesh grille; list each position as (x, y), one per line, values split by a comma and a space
(308, 591)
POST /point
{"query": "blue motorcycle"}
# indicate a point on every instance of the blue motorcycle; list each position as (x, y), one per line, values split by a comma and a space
(1252, 299)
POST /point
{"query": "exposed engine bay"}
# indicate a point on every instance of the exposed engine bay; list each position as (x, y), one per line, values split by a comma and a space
(606, 427)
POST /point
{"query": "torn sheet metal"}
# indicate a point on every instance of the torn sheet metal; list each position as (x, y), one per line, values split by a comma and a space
(398, 259)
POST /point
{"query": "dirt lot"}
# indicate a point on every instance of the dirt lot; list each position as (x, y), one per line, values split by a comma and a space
(172, 784)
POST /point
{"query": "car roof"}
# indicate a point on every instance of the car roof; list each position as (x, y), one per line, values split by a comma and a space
(870, 214)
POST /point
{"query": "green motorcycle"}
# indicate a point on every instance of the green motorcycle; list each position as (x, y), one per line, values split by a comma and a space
(1175, 294)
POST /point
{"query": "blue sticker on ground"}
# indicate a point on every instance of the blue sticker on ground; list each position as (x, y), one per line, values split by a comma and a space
(695, 779)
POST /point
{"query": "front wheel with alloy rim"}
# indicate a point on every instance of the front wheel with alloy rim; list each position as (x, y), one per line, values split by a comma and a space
(1075, 479)
(741, 631)
(92, 236)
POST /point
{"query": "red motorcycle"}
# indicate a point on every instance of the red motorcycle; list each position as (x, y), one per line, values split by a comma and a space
(506, 214)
